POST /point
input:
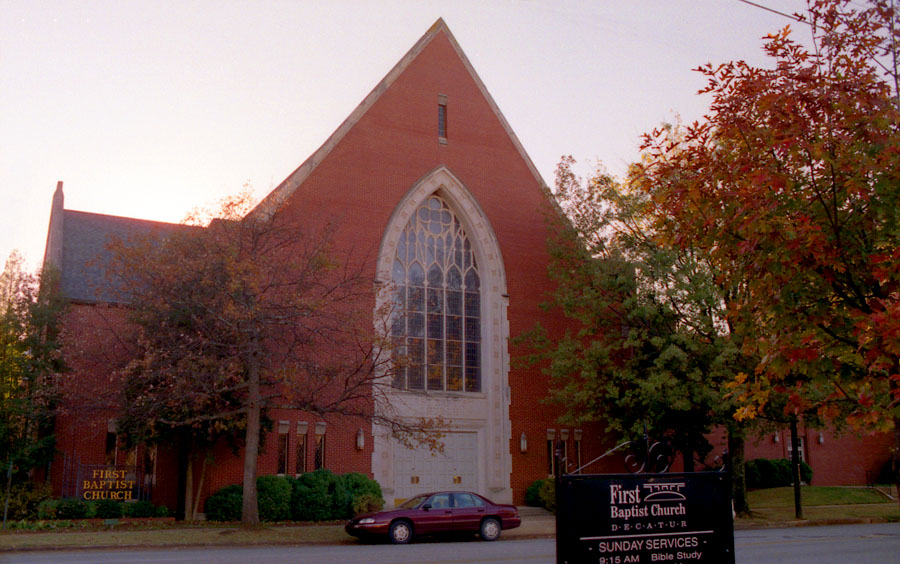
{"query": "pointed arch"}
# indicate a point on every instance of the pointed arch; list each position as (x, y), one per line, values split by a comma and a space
(445, 184)
(475, 407)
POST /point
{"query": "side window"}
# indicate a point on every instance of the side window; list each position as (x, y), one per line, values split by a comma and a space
(464, 500)
(302, 429)
(440, 501)
(283, 444)
(319, 459)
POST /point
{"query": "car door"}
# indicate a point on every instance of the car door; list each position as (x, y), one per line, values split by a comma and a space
(468, 510)
(435, 515)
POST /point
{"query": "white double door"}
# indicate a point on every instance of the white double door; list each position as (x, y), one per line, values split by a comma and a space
(421, 470)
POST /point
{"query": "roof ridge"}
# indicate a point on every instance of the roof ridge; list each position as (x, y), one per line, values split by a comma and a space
(289, 185)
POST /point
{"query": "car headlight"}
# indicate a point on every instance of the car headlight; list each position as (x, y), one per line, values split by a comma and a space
(367, 521)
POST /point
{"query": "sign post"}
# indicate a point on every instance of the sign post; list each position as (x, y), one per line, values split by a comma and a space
(643, 518)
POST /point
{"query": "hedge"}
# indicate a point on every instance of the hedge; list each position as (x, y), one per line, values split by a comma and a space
(25, 500)
(774, 473)
(273, 498)
(315, 496)
(320, 496)
(225, 504)
(542, 493)
(533, 493)
(74, 508)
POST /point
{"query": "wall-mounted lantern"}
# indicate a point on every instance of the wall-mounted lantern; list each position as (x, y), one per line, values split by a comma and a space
(523, 443)
(776, 438)
(821, 438)
(360, 440)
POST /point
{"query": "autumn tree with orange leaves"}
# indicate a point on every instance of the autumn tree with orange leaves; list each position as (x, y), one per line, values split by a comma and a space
(790, 186)
(249, 312)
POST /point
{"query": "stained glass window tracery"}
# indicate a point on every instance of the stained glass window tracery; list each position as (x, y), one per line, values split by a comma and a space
(437, 295)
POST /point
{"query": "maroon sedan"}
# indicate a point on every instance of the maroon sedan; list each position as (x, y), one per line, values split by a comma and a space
(441, 512)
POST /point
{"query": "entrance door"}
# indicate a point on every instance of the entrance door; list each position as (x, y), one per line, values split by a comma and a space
(418, 471)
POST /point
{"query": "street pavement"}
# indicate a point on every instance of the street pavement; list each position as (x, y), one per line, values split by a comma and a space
(843, 544)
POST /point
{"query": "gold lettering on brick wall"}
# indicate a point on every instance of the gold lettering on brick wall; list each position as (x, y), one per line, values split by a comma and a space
(108, 484)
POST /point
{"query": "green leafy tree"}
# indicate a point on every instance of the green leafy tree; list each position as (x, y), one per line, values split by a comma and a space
(648, 346)
(29, 362)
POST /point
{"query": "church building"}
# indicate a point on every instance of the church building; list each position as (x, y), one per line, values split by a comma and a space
(428, 176)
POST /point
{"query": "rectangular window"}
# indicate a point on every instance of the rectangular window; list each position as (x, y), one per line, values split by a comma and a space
(302, 427)
(578, 450)
(319, 461)
(551, 454)
(442, 118)
(283, 447)
(150, 466)
(790, 449)
(112, 442)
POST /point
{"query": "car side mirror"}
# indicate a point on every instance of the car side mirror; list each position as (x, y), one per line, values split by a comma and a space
(426, 507)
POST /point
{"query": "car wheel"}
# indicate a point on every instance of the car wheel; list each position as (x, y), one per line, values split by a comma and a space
(400, 532)
(490, 529)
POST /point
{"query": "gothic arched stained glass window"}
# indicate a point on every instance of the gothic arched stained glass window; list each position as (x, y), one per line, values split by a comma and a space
(437, 327)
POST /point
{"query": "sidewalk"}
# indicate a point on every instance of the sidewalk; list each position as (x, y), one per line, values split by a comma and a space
(536, 523)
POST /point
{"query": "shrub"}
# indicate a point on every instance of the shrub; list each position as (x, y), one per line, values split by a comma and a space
(752, 474)
(806, 473)
(225, 504)
(364, 493)
(547, 493)
(764, 473)
(24, 500)
(367, 503)
(71, 508)
(533, 493)
(319, 496)
(142, 509)
(316, 496)
(273, 498)
(108, 509)
(161, 511)
(47, 509)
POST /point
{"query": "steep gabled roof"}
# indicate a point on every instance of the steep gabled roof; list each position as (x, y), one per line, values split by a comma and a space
(77, 248)
(284, 190)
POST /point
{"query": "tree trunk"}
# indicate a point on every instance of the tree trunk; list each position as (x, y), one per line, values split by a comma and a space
(795, 468)
(189, 488)
(895, 459)
(250, 508)
(687, 456)
(196, 504)
(183, 453)
(738, 472)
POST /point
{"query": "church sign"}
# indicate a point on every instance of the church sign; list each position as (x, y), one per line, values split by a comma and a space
(644, 518)
(118, 483)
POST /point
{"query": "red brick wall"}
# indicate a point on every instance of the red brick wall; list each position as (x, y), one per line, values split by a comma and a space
(394, 145)
(837, 461)
(95, 341)
(341, 454)
(88, 389)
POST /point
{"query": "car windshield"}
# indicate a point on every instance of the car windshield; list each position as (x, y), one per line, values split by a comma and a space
(412, 502)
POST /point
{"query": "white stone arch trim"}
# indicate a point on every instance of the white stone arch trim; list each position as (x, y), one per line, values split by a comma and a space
(445, 184)
(486, 413)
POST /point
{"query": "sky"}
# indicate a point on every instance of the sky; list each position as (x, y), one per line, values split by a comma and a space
(150, 109)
